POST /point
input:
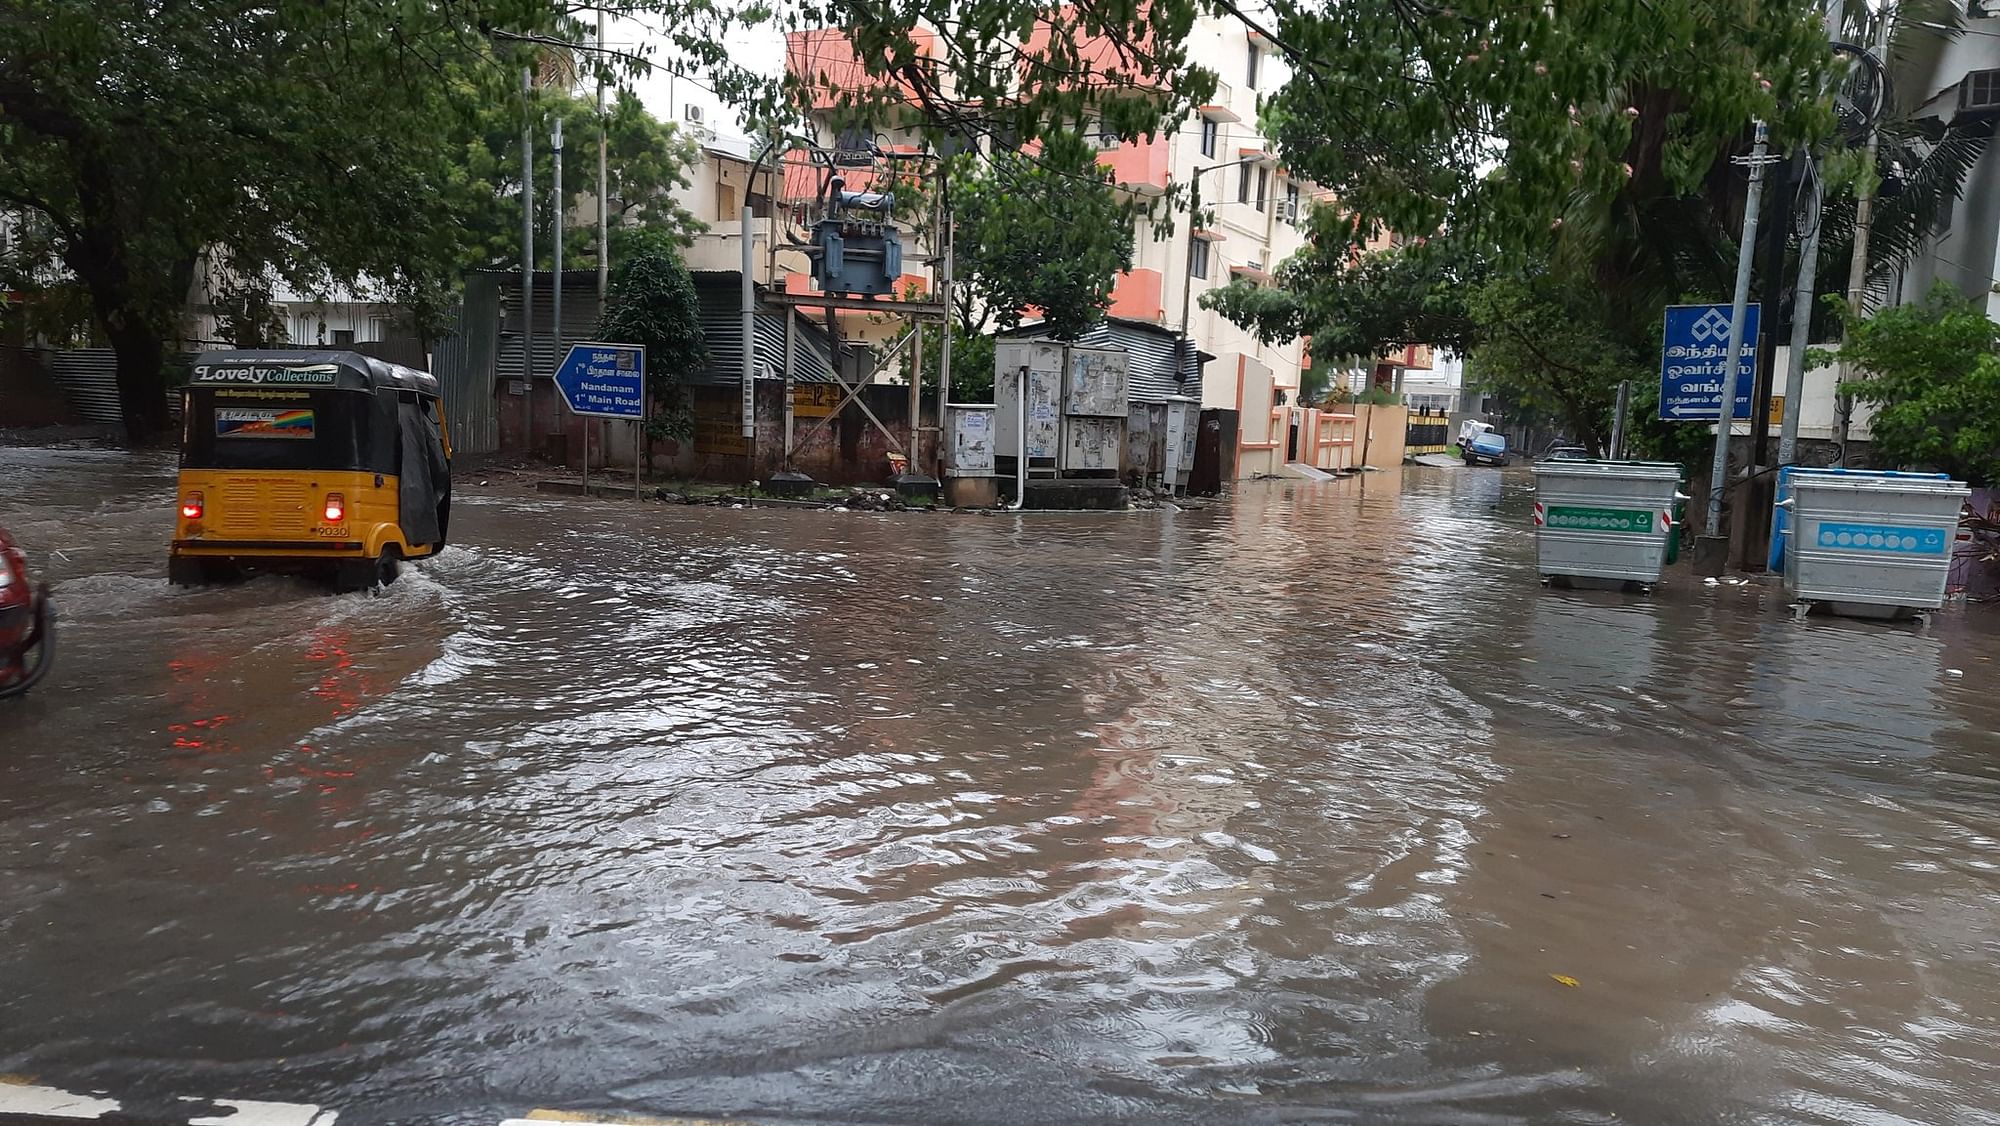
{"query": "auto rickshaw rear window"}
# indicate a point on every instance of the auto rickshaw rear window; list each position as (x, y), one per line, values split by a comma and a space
(230, 428)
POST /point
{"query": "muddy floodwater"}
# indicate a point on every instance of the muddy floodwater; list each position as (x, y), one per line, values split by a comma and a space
(1308, 807)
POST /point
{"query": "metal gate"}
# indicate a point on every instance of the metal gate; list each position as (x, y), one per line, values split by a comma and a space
(1426, 433)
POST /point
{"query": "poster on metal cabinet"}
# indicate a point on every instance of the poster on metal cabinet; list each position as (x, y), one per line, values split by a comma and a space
(1097, 382)
(1044, 413)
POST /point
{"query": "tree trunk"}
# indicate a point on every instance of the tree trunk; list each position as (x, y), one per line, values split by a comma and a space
(136, 301)
(142, 384)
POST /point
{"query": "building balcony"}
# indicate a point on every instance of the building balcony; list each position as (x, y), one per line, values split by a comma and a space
(1140, 295)
(720, 248)
(1219, 108)
(823, 63)
(1416, 357)
(1140, 166)
(1087, 61)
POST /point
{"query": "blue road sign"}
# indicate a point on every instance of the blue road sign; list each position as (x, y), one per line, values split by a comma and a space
(606, 380)
(1692, 362)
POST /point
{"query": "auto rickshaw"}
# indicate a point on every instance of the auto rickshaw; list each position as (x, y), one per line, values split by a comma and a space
(324, 463)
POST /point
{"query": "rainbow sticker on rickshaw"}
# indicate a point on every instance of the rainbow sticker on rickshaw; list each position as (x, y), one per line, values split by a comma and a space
(247, 422)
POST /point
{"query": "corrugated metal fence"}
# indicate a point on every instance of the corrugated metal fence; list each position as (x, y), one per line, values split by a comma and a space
(89, 380)
(463, 364)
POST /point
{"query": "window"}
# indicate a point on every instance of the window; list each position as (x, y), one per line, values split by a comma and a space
(1250, 72)
(1291, 213)
(1979, 93)
(1198, 258)
(1105, 135)
(1243, 185)
(1210, 133)
(344, 338)
(1263, 187)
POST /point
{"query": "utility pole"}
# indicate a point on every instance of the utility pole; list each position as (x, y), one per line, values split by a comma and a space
(1802, 303)
(1802, 297)
(1864, 222)
(604, 255)
(1618, 421)
(1776, 224)
(1187, 279)
(556, 210)
(748, 300)
(603, 187)
(944, 338)
(1731, 360)
(528, 233)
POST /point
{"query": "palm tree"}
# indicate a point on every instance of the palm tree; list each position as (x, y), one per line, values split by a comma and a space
(1922, 162)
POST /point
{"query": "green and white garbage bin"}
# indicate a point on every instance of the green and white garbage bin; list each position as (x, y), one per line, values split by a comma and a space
(1873, 545)
(1604, 522)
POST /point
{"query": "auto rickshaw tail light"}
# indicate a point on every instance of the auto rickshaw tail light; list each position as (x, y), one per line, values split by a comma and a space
(191, 507)
(336, 508)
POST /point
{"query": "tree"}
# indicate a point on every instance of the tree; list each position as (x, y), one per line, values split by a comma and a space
(1360, 305)
(1933, 372)
(1498, 120)
(1045, 232)
(1923, 163)
(332, 146)
(1544, 344)
(1570, 160)
(299, 141)
(972, 358)
(646, 160)
(1001, 73)
(652, 301)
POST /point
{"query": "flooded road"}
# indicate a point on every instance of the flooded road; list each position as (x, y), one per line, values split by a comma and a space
(1291, 810)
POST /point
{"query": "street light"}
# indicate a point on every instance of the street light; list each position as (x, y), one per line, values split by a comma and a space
(1187, 280)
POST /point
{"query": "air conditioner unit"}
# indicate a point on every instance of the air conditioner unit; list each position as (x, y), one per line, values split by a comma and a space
(1288, 211)
(693, 115)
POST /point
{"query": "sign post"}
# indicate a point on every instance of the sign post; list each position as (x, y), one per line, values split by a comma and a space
(1693, 367)
(606, 381)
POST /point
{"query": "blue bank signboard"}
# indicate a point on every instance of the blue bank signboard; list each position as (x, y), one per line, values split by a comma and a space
(1693, 365)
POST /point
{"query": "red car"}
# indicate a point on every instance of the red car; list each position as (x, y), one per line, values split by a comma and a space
(27, 623)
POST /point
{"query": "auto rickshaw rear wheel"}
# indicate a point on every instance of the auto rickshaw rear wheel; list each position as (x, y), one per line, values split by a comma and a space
(368, 574)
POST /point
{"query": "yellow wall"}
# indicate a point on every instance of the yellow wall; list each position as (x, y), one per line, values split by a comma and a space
(1379, 431)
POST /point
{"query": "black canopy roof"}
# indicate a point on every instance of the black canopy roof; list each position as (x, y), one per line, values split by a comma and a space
(307, 367)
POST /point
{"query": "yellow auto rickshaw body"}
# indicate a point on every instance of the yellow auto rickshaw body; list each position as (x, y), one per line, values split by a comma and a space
(328, 463)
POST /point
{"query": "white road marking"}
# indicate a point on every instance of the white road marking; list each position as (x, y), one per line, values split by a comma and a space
(249, 1112)
(18, 1096)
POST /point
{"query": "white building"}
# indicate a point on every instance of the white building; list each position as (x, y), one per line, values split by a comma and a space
(1955, 79)
(1439, 390)
(1257, 211)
